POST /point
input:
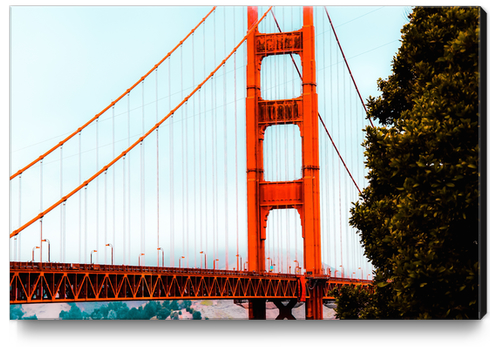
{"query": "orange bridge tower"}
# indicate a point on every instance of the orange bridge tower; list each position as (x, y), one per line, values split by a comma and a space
(302, 194)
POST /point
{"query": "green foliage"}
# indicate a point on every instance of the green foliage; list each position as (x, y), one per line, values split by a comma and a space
(74, 313)
(352, 299)
(418, 217)
(120, 310)
(163, 313)
(16, 313)
(196, 315)
(174, 306)
(186, 304)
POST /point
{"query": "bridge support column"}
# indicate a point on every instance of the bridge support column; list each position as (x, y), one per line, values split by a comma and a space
(256, 309)
(314, 304)
(285, 311)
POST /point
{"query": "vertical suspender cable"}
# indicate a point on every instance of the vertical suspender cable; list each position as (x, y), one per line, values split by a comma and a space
(205, 149)
(200, 173)
(41, 208)
(185, 182)
(105, 216)
(62, 206)
(194, 154)
(80, 197)
(113, 182)
(158, 168)
(85, 225)
(182, 147)
(128, 241)
(142, 173)
(236, 147)
(213, 136)
(171, 166)
(124, 209)
(332, 166)
(97, 188)
(225, 144)
(19, 255)
(340, 221)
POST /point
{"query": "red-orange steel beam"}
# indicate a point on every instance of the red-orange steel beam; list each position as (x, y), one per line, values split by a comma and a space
(59, 282)
(61, 143)
(64, 282)
(156, 126)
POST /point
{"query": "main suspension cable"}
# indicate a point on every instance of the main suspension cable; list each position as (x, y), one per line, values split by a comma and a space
(156, 126)
(112, 103)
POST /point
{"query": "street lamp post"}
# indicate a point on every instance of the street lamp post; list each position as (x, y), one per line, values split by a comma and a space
(112, 252)
(159, 249)
(362, 273)
(205, 259)
(49, 249)
(342, 271)
(33, 249)
(245, 267)
(182, 257)
(352, 274)
(94, 251)
(297, 266)
(214, 263)
(270, 262)
(139, 259)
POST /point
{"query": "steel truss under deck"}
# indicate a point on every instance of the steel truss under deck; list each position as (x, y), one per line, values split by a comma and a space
(64, 282)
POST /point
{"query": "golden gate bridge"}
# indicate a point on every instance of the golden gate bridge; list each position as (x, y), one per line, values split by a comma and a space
(225, 172)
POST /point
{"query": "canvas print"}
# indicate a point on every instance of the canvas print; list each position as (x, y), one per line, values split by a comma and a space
(247, 163)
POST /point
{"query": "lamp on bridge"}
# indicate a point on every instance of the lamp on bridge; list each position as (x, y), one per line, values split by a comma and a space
(112, 253)
(33, 249)
(158, 250)
(342, 271)
(297, 266)
(214, 263)
(271, 266)
(139, 259)
(49, 249)
(205, 259)
(94, 251)
(367, 277)
(362, 274)
(181, 259)
(245, 266)
(352, 274)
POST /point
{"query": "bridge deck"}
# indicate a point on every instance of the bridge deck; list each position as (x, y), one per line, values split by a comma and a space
(33, 282)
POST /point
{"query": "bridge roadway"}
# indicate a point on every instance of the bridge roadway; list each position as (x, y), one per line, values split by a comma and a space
(34, 282)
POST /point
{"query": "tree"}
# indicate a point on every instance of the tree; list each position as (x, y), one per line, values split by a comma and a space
(419, 216)
(111, 315)
(196, 315)
(163, 313)
(74, 313)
